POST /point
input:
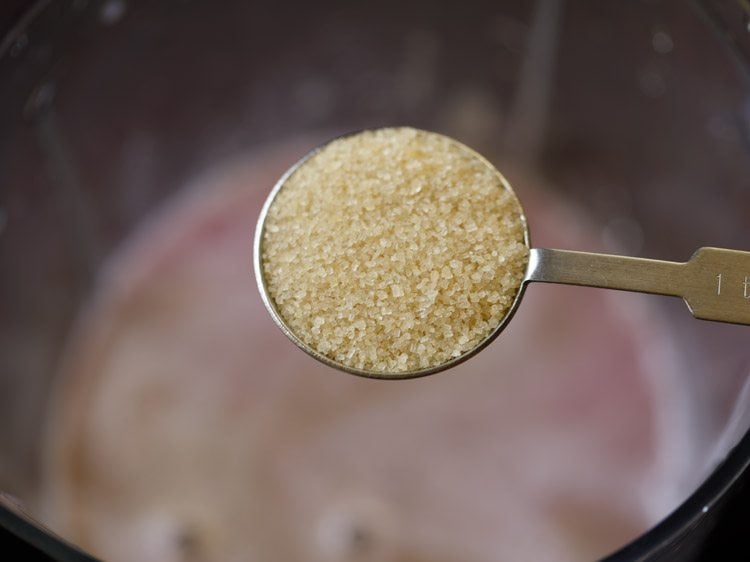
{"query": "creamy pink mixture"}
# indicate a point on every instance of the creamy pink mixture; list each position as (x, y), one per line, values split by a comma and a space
(187, 427)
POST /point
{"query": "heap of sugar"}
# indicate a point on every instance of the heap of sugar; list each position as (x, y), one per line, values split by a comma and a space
(394, 250)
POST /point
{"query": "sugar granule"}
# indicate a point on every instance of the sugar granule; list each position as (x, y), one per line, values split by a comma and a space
(394, 250)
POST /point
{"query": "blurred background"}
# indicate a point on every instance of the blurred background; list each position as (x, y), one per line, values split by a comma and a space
(151, 410)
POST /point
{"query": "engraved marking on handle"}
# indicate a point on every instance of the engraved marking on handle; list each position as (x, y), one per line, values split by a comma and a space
(718, 287)
(730, 302)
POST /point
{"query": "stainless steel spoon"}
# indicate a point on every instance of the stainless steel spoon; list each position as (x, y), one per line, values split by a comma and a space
(715, 283)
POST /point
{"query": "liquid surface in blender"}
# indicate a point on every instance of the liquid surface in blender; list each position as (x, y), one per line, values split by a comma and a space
(187, 424)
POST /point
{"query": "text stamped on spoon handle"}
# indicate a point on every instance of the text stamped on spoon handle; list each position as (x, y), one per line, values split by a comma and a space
(715, 283)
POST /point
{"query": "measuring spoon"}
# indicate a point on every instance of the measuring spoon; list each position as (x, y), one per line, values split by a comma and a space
(714, 283)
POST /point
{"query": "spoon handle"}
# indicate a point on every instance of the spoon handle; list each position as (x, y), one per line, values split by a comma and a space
(715, 283)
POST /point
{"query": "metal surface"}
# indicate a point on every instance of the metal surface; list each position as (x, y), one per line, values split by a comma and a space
(715, 283)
